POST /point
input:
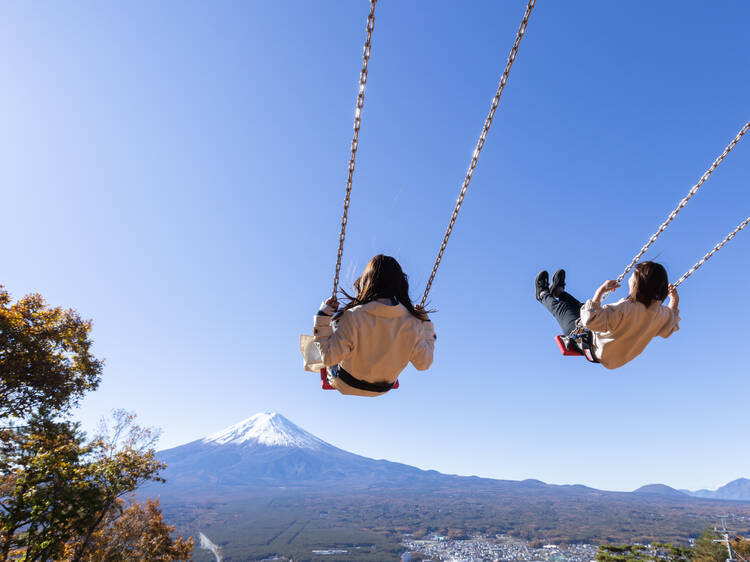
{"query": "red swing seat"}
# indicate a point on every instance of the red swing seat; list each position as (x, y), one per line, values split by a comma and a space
(325, 385)
(563, 342)
(565, 350)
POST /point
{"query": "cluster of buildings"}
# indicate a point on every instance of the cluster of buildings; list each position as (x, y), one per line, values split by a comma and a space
(500, 548)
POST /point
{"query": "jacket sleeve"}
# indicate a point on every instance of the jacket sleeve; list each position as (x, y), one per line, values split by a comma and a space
(598, 318)
(421, 356)
(672, 323)
(335, 345)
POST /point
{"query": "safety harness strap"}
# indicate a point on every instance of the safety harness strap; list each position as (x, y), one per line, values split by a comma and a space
(354, 382)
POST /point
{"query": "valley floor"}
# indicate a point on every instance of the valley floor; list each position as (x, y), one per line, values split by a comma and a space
(501, 547)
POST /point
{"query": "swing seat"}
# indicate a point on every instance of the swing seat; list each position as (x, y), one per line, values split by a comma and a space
(569, 350)
(565, 349)
(325, 385)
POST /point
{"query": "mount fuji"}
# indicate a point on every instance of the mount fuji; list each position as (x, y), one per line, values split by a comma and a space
(269, 451)
(269, 429)
(264, 484)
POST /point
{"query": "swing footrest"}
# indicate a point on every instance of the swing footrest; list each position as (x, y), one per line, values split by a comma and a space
(566, 348)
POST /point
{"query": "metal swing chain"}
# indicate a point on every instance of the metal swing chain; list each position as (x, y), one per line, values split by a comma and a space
(715, 249)
(684, 202)
(480, 145)
(355, 141)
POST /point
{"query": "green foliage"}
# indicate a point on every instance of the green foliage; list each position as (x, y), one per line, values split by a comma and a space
(55, 487)
(45, 357)
(639, 552)
(45, 493)
(741, 546)
(59, 492)
(710, 548)
(708, 551)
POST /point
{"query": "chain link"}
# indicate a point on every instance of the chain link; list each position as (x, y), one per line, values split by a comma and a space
(355, 141)
(684, 202)
(715, 249)
(480, 145)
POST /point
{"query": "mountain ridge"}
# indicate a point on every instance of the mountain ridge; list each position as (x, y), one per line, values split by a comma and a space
(660, 490)
(267, 451)
(738, 490)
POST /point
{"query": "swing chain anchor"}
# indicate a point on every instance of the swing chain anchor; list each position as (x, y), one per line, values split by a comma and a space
(480, 145)
(355, 141)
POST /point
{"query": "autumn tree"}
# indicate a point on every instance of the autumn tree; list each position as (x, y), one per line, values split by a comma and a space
(45, 357)
(706, 550)
(59, 492)
(44, 488)
(57, 488)
(710, 547)
(741, 546)
(122, 457)
(135, 531)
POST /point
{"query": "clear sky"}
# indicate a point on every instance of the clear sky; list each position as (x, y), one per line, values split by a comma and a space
(175, 171)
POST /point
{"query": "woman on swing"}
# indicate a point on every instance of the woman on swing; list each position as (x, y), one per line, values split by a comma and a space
(622, 330)
(376, 334)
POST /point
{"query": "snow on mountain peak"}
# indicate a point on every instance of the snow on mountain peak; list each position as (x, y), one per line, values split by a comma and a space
(270, 429)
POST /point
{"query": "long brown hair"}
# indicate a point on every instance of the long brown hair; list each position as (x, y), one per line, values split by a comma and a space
(651, 282)
(383, 278)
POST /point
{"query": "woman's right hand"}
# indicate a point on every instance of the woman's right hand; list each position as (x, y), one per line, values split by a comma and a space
(606, 287)
(333, 303)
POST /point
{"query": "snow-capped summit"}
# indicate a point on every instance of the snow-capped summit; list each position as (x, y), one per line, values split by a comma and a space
(270, 429)
(267, 451)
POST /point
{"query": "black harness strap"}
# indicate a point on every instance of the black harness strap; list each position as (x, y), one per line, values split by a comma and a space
(583, 339)
(360, 384)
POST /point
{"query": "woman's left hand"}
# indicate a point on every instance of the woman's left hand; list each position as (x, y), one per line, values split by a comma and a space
(419, 308)
(674, 298)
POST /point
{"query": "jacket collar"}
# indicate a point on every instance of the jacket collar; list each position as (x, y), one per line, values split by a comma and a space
(387, 311)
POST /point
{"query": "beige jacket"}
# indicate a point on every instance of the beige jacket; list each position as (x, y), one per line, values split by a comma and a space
(622, 330)
(374, 342)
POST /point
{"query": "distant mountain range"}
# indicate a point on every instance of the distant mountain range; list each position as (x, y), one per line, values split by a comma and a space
(265, 487)
(736, 490)
(269, 451)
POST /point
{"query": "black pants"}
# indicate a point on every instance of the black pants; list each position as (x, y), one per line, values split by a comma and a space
(566, 309)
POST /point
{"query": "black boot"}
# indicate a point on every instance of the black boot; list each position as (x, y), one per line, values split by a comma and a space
(541, 285)
(558, 283)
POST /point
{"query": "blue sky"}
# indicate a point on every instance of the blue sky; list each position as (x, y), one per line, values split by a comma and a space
(176, 172)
